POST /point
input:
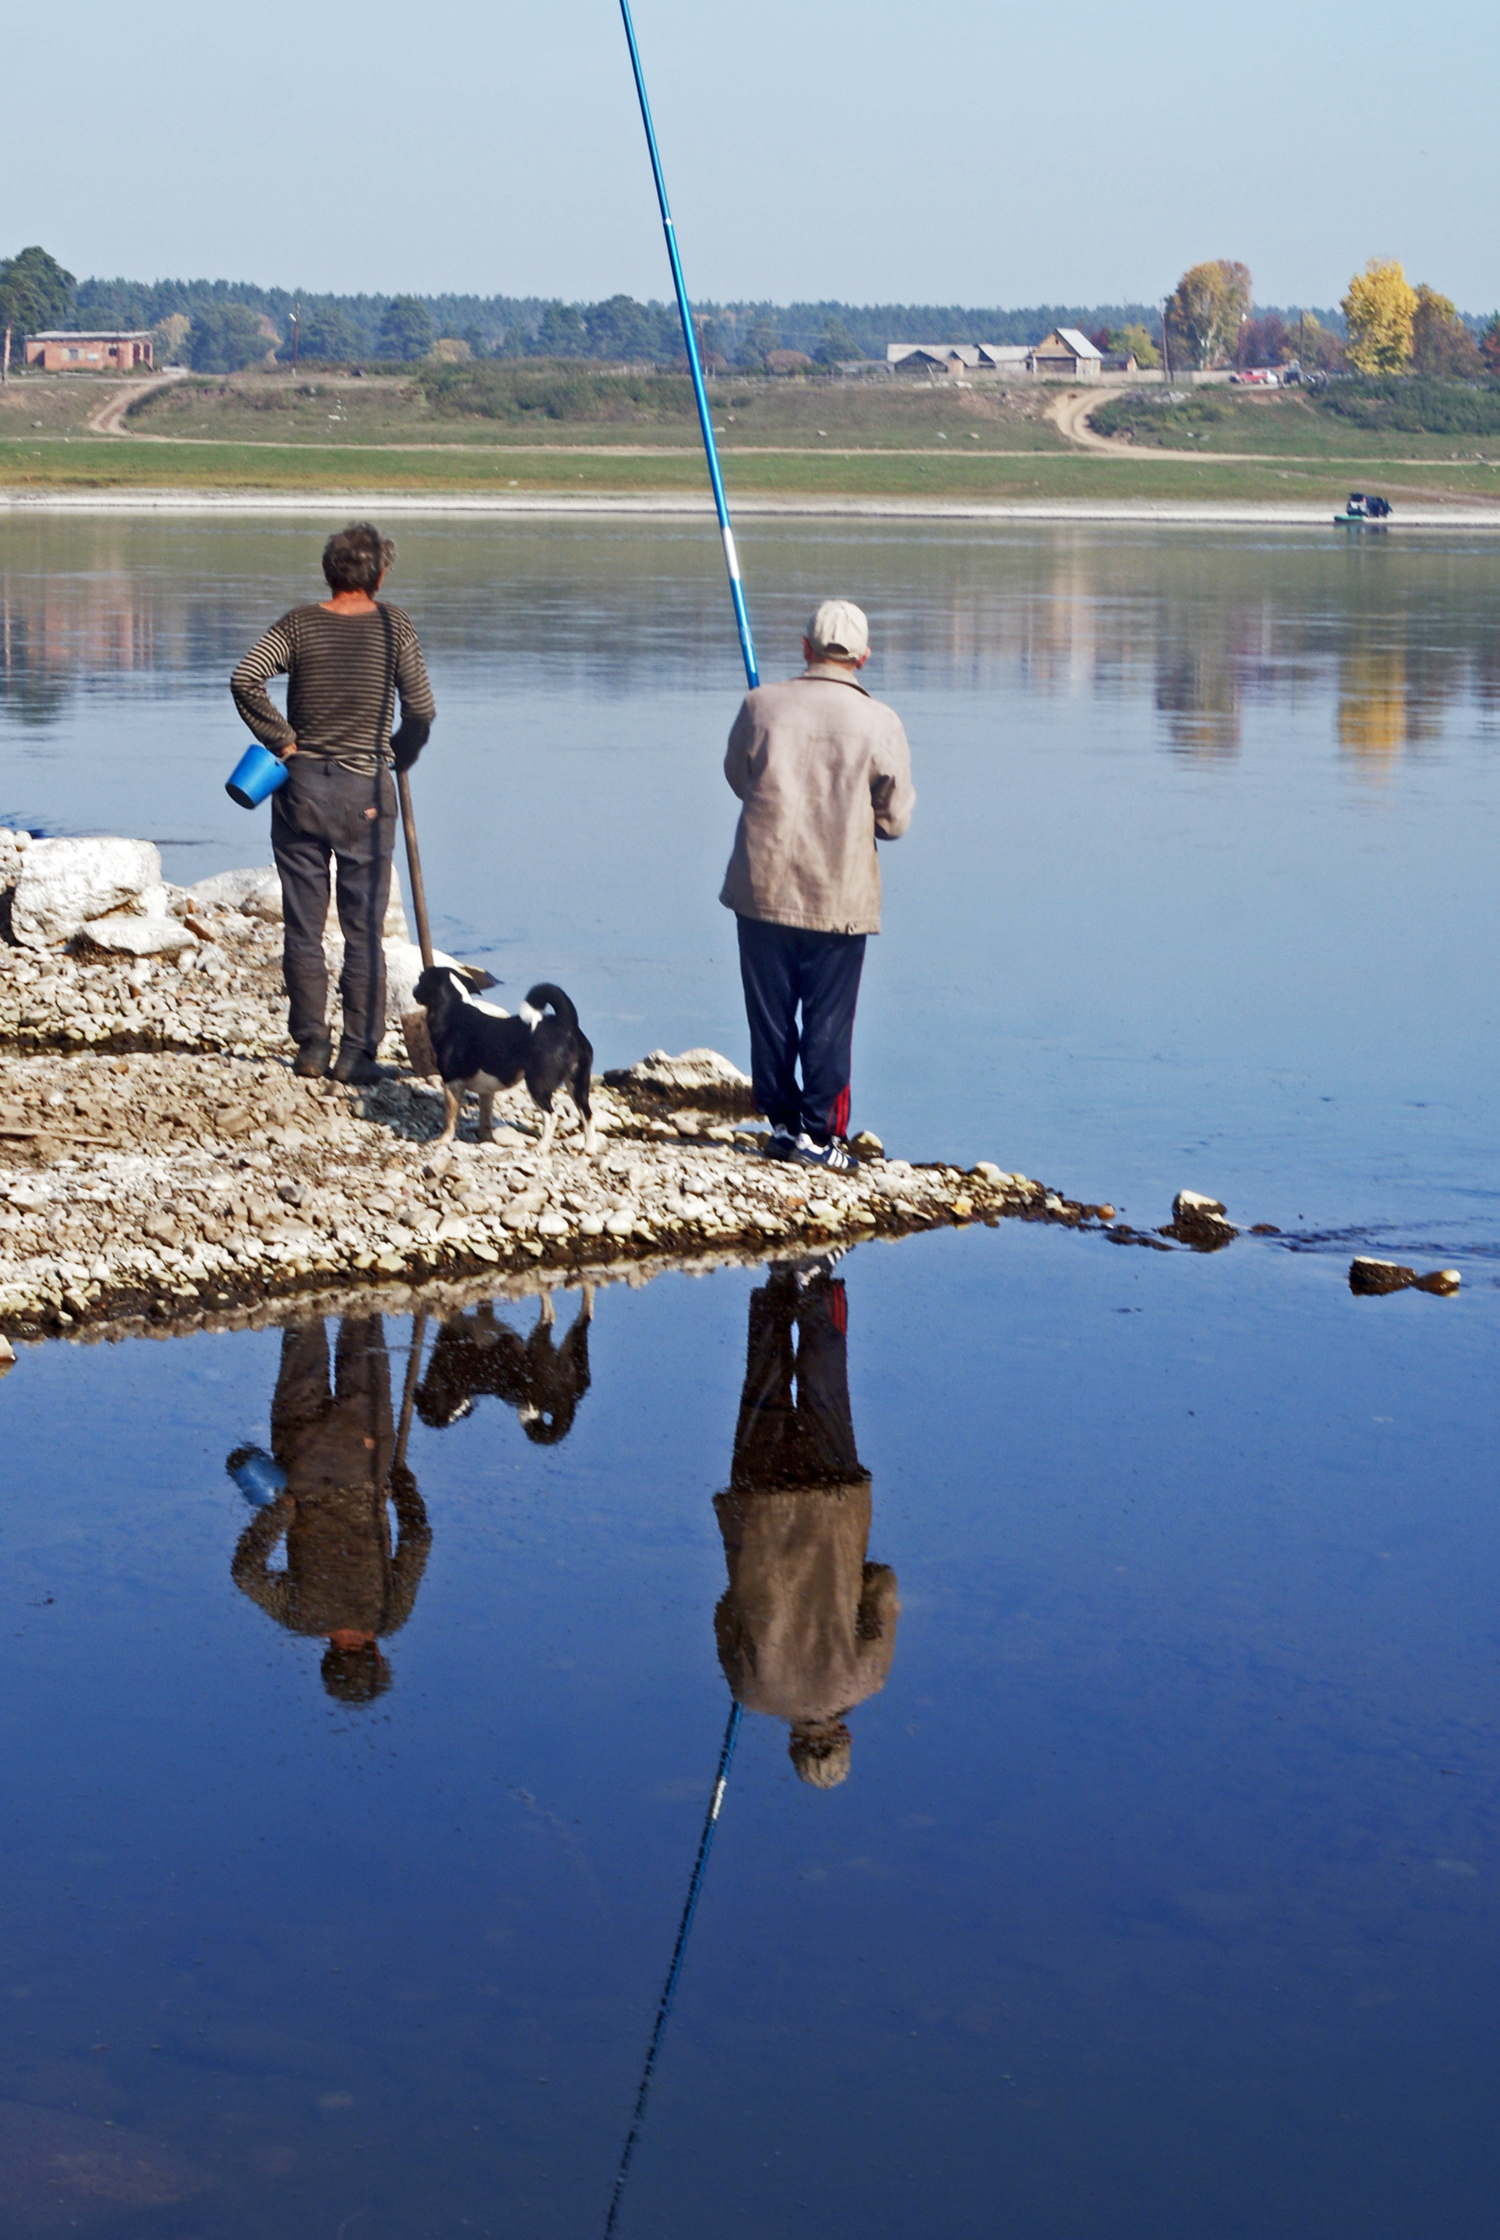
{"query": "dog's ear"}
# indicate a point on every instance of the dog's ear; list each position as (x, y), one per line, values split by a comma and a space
(475, 976)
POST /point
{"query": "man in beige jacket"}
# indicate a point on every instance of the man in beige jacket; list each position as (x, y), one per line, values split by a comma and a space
(822, 771)
(807, 1628)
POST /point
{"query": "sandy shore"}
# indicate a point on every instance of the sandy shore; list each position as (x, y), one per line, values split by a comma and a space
(1177, 513)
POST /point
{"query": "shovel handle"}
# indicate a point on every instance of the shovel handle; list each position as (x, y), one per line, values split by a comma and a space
(414, 866)
(408, 1397)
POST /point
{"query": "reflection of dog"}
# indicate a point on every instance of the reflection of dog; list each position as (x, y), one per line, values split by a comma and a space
(807, 1629)
(479, 1048)
(477, 1353)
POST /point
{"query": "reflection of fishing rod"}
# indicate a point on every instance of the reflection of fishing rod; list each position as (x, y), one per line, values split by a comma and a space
(679, 1953)
(695, 368)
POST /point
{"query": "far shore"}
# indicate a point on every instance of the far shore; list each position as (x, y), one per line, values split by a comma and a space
(1165, 512)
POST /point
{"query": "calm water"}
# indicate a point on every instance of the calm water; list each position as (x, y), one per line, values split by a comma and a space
(1159, 1896)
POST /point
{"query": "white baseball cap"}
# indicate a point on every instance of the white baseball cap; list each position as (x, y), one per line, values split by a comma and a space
(839, 626)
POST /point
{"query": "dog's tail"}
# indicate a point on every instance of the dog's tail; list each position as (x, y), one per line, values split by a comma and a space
(544, 996)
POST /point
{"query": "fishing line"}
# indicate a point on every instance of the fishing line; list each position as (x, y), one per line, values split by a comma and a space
(752, 678)
(695, 367)
(679, 1953)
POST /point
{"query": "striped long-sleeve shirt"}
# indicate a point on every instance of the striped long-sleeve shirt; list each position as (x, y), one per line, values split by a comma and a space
(336, 700)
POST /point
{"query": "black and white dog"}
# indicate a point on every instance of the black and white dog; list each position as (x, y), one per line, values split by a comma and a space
(478, 1047)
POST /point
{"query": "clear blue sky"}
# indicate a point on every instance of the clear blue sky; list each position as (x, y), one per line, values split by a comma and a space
(884, 153)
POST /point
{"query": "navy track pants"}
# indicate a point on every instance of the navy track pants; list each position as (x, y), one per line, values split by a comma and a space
(784, 967)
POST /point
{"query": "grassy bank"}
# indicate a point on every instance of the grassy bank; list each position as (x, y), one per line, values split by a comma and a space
(103, 465)
(1350, 427)
(565, 432)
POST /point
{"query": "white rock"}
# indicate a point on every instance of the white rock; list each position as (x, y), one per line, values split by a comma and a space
(522, 1211)
(693, 1069)
(13, 846)
(403, 969)
(256, 892)
(64, 883)
(620, 1223)
(154, 901)
(1189, 1205)
(127, 934)
(552, 1225)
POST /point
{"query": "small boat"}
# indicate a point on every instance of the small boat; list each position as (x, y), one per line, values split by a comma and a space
(1364, 511)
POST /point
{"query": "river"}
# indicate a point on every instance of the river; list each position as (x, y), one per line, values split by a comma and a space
(1147, 1883)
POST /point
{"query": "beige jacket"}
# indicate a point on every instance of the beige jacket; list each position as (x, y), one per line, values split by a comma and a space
(808, 1627)
(823, 772)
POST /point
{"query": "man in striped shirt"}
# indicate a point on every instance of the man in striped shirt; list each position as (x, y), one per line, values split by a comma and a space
(345, 661)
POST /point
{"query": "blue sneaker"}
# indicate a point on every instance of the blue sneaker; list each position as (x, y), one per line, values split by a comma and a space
(833, 1156)
(781, 1143)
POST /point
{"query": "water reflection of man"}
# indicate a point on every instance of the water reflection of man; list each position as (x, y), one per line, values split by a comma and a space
(541, 1379)
(345, 1578)
(807, 1628)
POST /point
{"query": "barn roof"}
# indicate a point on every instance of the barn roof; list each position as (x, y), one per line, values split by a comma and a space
(1079, 344)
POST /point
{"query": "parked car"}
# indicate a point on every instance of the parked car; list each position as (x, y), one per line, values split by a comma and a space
(1257, 377)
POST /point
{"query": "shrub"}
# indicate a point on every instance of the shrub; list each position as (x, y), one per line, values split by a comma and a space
(1162, 416)
(1415, 406)
(520, 389)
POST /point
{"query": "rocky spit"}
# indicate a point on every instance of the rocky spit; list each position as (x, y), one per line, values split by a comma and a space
(161, 1167)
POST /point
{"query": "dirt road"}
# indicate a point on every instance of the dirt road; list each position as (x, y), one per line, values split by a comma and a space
(109, 418)
(1069, 414)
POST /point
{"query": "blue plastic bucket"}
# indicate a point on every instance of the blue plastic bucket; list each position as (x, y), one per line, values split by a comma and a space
(256, 775)
(258, 1475)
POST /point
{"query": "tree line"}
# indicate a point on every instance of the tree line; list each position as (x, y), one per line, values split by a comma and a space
(221, 326)
(1383, 325)
(1389, 327)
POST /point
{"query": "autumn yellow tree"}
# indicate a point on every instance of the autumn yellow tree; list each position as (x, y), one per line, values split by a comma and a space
(1206, 307)
(1381, 308)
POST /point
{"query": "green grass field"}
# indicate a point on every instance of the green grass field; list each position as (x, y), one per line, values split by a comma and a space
(574, 407)
(1279, 423)
(577, 432)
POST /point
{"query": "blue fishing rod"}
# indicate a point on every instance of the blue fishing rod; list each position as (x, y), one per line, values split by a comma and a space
(695, 366)
(679, 1954)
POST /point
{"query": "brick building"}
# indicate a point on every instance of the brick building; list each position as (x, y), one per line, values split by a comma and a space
(109, 350)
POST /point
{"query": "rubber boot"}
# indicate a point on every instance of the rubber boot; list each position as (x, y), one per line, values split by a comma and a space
(311, 1061)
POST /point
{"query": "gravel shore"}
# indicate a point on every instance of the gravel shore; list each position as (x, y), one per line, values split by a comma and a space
(160, 1165)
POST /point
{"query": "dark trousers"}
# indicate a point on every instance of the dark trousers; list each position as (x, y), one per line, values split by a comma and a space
(783, 967)
(322, 812)
(804, 1438)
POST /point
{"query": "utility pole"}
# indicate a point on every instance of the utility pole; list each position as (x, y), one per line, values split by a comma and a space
(296, 331)
(1166, 347)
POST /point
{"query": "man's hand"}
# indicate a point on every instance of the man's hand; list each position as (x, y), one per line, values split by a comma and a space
(288, 750)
